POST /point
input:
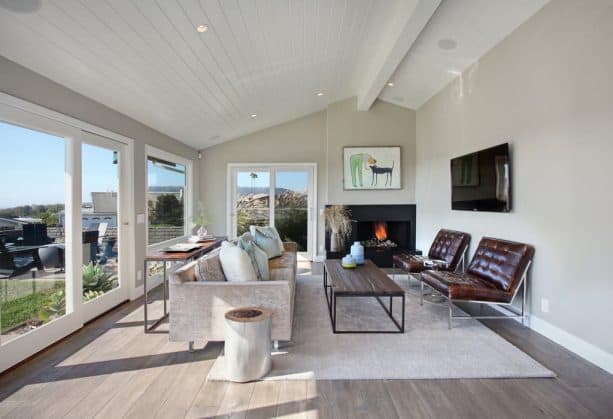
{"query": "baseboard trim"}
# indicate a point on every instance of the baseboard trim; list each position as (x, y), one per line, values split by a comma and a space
(575, 344)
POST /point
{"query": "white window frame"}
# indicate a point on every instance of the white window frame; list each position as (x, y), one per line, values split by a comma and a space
(188, 202)
(273, 168)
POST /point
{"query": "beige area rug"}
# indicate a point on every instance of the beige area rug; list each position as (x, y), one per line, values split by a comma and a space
(427, 349)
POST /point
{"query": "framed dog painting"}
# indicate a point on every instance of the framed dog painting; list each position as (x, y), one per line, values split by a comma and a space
(368, 168)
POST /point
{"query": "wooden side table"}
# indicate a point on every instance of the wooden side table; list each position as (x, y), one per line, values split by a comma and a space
(247, 345)
(164, 257)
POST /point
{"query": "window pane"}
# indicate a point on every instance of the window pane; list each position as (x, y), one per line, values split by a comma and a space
(291, 207)
(32, 244)
(100, 204)
(252, 200)
(165, 199)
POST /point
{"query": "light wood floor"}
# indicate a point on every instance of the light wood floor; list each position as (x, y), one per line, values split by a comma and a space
(111, 369)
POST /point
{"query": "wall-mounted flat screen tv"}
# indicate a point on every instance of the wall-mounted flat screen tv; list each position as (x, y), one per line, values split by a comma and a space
(481, 181)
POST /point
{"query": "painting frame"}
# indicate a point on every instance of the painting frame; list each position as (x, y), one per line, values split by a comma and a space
(358, 163)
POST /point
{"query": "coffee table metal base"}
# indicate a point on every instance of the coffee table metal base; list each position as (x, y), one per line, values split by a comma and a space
(331, 298)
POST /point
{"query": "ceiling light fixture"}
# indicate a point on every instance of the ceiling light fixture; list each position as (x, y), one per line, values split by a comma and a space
(447, 44)
(253, 115)
(202, 28)
(320, 94)
(390, 84)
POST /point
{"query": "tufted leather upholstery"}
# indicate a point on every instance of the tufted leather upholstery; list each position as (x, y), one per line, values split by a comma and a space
(494, 273)
(465, 287)
(448, 245)
(501, 262)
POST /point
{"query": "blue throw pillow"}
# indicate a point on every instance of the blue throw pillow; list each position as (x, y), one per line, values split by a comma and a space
(267, 239)
(259, 258)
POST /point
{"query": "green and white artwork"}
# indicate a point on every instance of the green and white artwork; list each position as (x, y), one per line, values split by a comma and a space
(367, 168)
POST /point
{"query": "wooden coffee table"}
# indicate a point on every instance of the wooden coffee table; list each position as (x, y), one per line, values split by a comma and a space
(364, 281)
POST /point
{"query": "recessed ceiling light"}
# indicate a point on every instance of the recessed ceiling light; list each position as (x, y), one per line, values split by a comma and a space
(390, 84)
(320, 94)
(253, 115)
(202, 28)
(447, 44)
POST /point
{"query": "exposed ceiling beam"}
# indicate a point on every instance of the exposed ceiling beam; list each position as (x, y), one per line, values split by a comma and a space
(412, 17)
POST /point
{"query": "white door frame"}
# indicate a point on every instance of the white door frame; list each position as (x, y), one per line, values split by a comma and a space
(311, 168)
(38, 118)
(110, 299)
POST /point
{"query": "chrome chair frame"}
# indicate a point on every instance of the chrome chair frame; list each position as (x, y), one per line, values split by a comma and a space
(523, 283)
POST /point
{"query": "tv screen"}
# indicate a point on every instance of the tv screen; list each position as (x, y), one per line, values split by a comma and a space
(481, 181)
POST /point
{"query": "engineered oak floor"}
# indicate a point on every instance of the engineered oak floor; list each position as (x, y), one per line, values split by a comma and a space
(111, 369)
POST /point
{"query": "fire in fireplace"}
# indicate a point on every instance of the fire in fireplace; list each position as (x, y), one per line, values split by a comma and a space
(380, 228)
(380, 236)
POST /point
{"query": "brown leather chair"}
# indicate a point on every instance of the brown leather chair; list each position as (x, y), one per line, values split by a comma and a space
(446, 253)
(496, 272)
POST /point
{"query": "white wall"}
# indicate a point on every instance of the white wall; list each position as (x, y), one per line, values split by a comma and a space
(318, 138)
(547, 90)
(299, 141)
(385, 124)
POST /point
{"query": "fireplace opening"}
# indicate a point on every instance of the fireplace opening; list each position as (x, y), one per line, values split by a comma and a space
(380, 236)
(383, 230)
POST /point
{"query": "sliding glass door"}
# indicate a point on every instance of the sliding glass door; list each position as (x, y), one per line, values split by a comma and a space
(278, 195)
(104, 224)
(63, 230)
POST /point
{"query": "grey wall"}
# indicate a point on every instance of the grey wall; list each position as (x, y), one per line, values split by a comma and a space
(547, 90)
(318, 138)
(28, 85)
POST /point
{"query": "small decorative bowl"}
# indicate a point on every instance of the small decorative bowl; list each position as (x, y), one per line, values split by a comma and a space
(348, 262)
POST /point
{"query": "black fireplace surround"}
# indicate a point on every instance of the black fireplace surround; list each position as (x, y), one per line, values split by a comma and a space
(400, 224)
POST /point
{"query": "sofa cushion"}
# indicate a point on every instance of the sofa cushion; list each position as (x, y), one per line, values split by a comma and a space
(236, 263)
(465, 286)
(186, 273)
(208, 267)
(286, 260)
(259, 258)
(409, 263)
(268, 240)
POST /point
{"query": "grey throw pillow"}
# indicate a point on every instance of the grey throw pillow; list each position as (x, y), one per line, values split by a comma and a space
(208, 267)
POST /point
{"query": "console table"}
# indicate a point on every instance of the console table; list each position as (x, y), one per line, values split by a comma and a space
(164, 257)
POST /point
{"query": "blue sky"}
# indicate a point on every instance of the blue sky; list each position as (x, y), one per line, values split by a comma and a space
(32, 169)
(296, 181)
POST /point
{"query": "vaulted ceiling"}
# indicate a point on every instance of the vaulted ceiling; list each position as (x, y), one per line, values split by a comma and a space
(254, 63)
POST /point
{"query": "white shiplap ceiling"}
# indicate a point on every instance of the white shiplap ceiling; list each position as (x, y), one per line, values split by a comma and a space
(476, 26)
(144, 58)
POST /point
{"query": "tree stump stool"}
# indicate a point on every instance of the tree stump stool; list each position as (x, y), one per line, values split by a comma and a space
(247, 345)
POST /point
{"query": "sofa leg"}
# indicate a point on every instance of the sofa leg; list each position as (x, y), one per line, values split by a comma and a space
(421, 294)
(190, 346)
(275, 344)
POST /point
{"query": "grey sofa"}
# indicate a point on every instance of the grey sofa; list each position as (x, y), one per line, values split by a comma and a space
(197, 308)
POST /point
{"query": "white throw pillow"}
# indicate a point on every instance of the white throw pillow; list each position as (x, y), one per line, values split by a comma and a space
(236, 263)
